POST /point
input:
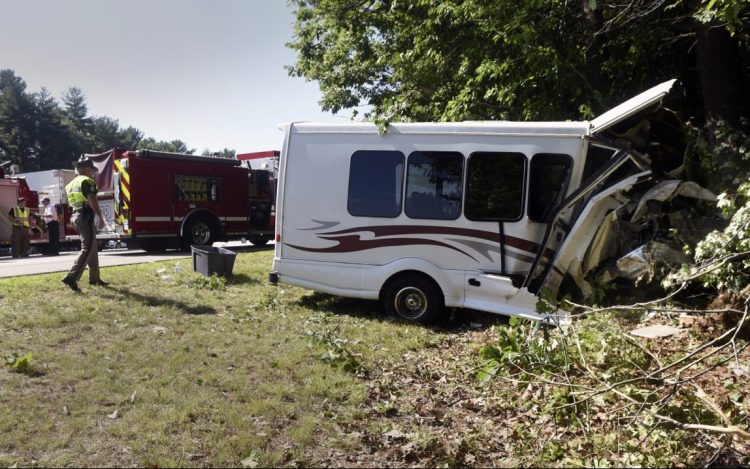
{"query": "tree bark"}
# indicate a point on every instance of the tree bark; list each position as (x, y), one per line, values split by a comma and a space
(718, 63)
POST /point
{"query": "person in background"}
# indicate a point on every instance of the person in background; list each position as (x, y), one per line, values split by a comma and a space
(53, 227)
(84, 205)
(20, 237)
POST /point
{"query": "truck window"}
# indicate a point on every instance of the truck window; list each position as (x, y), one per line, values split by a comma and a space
(197, 189)
(494, 186)
(550, 174)
(433, 185)
(376, 181)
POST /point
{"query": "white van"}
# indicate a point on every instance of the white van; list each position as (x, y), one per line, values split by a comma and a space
(481, 215)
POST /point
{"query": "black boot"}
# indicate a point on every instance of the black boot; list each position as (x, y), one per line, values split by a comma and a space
(71, 283)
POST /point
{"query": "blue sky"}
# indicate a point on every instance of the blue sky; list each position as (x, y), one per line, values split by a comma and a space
(210, 73)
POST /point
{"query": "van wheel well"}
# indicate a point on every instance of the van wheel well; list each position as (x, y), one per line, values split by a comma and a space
(413, 296)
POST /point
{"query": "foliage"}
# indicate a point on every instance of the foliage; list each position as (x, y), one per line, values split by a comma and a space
(719, 154)
(729, 12)
(20, 363)
(727, 252)
(487, 59)
(225, 153)
(203, 282)
(593, 371)
(336, 353)
(37, 132)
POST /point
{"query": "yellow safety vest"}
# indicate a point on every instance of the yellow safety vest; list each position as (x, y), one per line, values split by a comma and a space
(76, 199)
(20, 217)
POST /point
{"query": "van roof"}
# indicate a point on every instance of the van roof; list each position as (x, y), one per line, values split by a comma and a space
(647, 99)
(551, 129)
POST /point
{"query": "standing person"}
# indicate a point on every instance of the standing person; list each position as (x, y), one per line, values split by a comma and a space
(20, 237)
(53, 227)
(81, 193)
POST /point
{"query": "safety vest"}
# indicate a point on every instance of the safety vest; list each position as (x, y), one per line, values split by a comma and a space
(20, 217)
(76, 199)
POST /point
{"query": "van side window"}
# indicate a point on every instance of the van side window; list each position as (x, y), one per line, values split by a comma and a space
(596, 158)
(376, 181)
(433, 185)
(550, 174)
(494, 186)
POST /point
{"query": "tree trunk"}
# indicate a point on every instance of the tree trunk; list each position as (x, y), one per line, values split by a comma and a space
(720, 75)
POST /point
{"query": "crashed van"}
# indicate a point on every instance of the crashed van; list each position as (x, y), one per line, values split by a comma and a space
(481, 215)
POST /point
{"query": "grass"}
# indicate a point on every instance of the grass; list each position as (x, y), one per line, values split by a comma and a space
(169, 368)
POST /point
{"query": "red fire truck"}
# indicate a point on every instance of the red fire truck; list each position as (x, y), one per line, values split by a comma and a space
(169, 200)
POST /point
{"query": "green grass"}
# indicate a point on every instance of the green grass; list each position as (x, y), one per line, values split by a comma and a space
(166, 367)
(200, 371)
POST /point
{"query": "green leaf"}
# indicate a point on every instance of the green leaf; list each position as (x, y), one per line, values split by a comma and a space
(489, 352)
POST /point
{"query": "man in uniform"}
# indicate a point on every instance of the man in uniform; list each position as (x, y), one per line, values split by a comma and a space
(84, 205)
(20, 236)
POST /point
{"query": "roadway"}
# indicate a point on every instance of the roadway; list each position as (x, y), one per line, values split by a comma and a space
(38, 264)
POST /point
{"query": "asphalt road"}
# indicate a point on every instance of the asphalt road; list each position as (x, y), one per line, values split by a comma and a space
(37, 264)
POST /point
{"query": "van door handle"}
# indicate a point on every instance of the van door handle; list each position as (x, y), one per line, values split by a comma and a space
(474, 282)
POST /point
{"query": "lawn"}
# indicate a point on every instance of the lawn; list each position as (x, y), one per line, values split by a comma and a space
(165, 367)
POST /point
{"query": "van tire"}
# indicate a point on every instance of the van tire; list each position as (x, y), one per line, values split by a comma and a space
(259, 240)
(415, 298)
(200, 231)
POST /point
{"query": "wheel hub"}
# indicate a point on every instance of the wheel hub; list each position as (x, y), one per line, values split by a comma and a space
(411, 302)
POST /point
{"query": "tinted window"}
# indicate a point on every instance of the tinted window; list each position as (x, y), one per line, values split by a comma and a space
(375, 183)
(433, 186)
(494, 186)
(550, 174)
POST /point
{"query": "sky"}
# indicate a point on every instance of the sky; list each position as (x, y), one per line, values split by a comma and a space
(208, 72)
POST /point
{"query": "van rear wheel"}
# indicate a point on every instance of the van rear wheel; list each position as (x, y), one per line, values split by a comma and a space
(414, 298)
(259, 240)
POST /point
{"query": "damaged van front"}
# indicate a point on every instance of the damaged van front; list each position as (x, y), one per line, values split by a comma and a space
(621, 221)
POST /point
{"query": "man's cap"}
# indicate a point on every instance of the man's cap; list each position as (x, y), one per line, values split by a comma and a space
(84, 162)
(21, 199)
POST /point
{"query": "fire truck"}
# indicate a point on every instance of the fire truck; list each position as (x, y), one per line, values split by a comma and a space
(163, 200)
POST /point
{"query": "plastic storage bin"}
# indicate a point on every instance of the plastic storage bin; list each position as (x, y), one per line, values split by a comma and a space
(209, 260)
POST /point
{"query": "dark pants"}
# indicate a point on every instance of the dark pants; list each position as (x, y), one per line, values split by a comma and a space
(53, 230)
(20, 238)
(89, 254)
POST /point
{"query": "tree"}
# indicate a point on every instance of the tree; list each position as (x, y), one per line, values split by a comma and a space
(77, 121)
(54, 146)
(538, 59)
(173, 146)
(225, 153)
(16, 119)
(129, 138)
(105, 133)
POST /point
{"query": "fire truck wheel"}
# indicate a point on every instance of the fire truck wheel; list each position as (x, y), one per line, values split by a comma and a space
(414, 297)
(200, 231)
